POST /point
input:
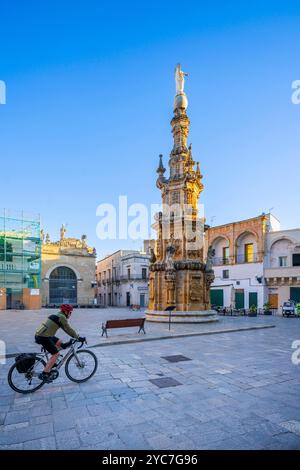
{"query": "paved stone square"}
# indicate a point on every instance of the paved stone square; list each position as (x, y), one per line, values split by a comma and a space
(17, 327)
(239, 390)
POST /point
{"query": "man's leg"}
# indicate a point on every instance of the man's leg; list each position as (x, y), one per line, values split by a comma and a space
(51, 362)
(53, 358)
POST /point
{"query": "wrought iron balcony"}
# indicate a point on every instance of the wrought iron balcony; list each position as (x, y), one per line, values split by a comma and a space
(237, 259)
(252, 258)
(220, 261)
(134, 277)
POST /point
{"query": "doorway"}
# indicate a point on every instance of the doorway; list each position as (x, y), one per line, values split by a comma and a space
(63, 286)
(295, 294)
(14, 298)
(217, 297)
(273, 300)
(239, 299)
(252, 299)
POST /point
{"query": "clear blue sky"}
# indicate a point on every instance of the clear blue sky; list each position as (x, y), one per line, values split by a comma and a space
(90, 88)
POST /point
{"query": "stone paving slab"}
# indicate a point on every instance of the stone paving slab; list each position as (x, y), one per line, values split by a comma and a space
(239, 391)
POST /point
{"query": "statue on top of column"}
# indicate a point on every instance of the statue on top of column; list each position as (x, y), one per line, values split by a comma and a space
(179, 79)
(62, 232)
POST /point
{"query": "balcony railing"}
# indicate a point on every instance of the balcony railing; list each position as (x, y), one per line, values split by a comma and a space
(124, 278)
(252, 258)
(133, 277)
(237, 259)
(221, 261)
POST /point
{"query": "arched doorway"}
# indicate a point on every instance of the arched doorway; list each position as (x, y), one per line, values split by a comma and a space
(63, 286)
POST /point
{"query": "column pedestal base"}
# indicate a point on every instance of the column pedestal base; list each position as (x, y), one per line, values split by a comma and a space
(205, 316)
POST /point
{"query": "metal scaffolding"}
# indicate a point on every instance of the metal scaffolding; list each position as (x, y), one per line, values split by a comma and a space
(20, 253)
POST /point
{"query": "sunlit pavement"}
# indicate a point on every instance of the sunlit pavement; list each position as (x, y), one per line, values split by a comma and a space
(234, 391)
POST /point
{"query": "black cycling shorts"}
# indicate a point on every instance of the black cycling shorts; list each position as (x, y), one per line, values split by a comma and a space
(48, 342)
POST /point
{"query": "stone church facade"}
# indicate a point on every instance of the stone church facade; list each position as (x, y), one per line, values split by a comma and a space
(68, 271)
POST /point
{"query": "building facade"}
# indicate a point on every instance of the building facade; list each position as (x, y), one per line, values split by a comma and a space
(122, 279)
(20, 261)
(282, 267)
(238, 261)
(68, 271)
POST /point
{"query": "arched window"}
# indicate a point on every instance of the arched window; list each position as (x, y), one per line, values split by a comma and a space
(221, 247)
(62, 286)
(246, 248)
(280, 253)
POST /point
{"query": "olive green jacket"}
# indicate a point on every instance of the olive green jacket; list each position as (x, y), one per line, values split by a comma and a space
(53, 323)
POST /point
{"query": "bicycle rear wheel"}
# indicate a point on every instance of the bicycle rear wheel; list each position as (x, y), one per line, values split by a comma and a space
(81, 366)
(28, 382)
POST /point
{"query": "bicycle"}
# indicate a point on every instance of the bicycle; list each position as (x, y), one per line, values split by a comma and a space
(29, 381)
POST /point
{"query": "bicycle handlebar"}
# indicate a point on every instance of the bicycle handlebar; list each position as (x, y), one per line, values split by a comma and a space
(82, 343)
(77, 341)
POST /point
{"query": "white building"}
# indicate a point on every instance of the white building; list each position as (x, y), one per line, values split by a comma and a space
(238, 262)
(282, 266)
(122, 279)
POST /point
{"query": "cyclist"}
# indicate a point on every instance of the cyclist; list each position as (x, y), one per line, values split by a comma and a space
(45, 335)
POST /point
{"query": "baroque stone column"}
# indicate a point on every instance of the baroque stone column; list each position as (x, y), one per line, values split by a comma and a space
(179, 277)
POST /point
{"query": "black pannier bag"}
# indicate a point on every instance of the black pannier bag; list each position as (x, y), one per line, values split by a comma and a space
(24, 362)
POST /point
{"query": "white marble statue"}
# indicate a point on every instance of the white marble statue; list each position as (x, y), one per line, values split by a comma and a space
(179, 79)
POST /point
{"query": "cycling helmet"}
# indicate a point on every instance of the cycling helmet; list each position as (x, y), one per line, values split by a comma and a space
(66, 308)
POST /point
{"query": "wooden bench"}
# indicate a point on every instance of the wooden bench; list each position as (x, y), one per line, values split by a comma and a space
(126, 323)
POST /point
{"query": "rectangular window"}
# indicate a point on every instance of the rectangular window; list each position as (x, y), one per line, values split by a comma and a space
(282, 261)
(225, 273)
(144, 273)
(9, 251)
(128, 273)
(249, 253)
(296, 259)
(225, 254)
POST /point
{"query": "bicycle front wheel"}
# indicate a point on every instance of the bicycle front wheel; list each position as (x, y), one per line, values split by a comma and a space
(28, 382)
(81, 366)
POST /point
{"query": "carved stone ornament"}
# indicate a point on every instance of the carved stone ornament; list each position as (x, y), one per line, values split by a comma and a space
(196, 289)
